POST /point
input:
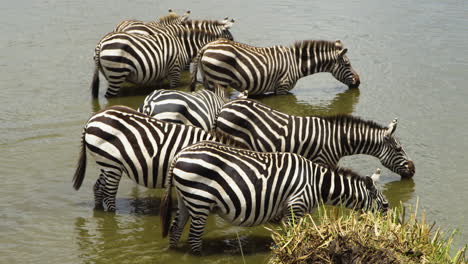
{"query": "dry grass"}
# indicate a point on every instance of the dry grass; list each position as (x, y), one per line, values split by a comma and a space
(342, 236)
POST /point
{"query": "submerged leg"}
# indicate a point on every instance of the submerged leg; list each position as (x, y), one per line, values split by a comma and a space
(174, 77)
(98, 189)
(179, 223)
(197, 227)
(115, 83)
(111, 184)
(295, 211)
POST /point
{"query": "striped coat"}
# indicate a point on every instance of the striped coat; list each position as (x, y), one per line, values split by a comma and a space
(321, 139)
(273, 69)
(248, 188)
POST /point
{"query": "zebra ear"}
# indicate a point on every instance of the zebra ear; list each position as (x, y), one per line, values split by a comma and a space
(338, 45)
(391, 128)
(342, 52)
(228, 24)
(369, 183)
(186, 16)
(376, 176)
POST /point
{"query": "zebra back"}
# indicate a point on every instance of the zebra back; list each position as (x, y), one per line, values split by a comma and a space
(197, 109)
(152, 27)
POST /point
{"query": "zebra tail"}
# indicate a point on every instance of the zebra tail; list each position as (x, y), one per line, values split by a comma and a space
(165, 211)
(193, 79)
(81, 166)
(95, 81)
(166, 202)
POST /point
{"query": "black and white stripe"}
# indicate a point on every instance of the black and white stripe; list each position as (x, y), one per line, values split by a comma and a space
(321, 139)
(124, 141)
(248, 188)
(198, 109)
(273, 69)
(145, 59)
(148, 28)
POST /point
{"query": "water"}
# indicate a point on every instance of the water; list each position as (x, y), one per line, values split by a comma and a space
(411, 57)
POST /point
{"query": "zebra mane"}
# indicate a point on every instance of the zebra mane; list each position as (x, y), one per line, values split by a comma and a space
(346, 119)
(172, 17)
(182, 33)
(329, 45)
(200, 22)
(346, 172)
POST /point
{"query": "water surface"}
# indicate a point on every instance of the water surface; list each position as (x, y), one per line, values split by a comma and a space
(411, 57)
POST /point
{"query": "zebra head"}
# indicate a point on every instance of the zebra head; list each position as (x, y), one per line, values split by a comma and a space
(227, 24)
(392, 154)
(342, 70)
(376, 200)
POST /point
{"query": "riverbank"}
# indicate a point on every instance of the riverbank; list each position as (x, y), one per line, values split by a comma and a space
(344, 236)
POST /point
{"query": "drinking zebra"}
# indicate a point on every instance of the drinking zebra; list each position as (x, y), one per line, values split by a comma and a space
(248, 188)
(124, 141)
(274, 69)
(198, 109)
(321, 139)
(146, 59)
(140, 27)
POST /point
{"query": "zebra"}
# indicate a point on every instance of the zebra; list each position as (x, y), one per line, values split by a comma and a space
(174, 27)
(273, 69)
(197, 108)
(124, 141)
(145, 59)
(249, 188)
(148, 28)
(321, 139)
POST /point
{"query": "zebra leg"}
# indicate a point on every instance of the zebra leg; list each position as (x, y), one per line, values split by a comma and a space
(294, 213)
(179, 223)
(114, 86)
(197, 227)
(174, 77)
(99, 192)
(111, 184)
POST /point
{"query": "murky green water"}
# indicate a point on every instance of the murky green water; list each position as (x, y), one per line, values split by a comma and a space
(411, 57)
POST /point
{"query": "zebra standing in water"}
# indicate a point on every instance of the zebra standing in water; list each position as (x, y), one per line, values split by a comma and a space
(274, 69)
(198, 109)
(124, 141)
(321, 139)
(140, 27)
(248, 188)
(146, 59)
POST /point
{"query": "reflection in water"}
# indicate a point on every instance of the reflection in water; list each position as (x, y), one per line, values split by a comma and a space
(107, 238)
(134, 232)
(342, 103)
(132, 95)
(399, 191)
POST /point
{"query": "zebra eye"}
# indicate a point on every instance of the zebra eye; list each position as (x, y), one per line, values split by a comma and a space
(398, 148)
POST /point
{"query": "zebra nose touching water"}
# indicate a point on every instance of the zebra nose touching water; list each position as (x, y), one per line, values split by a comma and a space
(248, 188)
(321, 139)
(270, 70)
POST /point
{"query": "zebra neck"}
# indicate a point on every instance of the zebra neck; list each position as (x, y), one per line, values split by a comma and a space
(361, 138)
(313, 57)
(341, 189)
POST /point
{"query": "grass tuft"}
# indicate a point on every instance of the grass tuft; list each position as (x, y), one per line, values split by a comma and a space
(338, 235)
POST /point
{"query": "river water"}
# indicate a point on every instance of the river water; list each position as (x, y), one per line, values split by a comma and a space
(411, 57)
